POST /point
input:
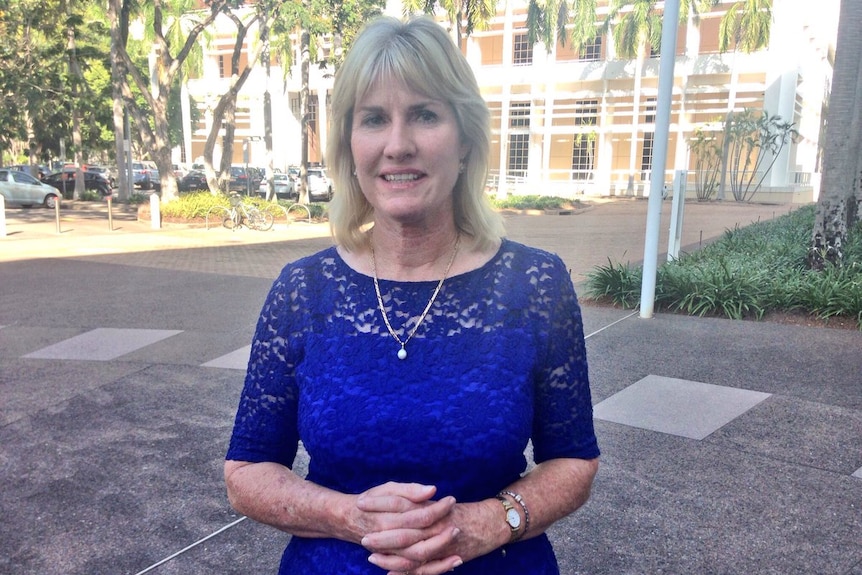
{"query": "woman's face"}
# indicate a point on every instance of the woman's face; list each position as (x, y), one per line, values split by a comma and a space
(407, 149)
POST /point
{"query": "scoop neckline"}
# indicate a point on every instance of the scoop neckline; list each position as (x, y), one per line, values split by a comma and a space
(504, 242)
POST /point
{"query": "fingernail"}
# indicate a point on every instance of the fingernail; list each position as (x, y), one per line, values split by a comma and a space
(458, 563)
(456, 532)
(373, 560)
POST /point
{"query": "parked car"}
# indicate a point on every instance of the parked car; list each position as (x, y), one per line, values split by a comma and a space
(146, 175)
(37, 171)
(193, 181)
(242, 180)
(104, 171)
(284, 188)
(22, 189)
(65, 182)
(319, 185)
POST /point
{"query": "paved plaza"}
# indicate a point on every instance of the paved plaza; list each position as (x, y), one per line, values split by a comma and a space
(729, 447)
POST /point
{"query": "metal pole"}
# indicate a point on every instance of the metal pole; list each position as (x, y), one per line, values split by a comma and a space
(2, 216)
(674, 242)
(110, 215)
(662, 127)
(57, 214)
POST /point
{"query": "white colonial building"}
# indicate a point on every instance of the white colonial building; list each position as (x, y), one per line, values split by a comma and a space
(567, 123)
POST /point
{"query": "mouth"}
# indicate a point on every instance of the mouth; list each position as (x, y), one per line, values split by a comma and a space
(401, 178)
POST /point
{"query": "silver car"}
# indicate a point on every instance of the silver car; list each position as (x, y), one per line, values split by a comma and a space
(20, 189)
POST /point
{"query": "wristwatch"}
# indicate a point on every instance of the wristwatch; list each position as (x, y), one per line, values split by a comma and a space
(513, 518)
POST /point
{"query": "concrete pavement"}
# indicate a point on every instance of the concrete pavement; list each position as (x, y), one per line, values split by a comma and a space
(728, 447)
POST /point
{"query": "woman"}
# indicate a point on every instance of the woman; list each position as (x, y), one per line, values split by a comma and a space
(417, 358)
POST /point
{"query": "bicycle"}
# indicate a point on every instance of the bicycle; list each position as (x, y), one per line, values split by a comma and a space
(251, 216)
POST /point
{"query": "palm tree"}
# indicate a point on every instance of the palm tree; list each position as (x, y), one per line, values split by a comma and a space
(465, 16)
(745, 26)
(840, 201)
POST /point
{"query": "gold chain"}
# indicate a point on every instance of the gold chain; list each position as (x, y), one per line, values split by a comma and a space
(402, 353)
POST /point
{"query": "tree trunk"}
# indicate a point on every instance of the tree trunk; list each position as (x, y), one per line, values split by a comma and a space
(74, 77)
(840, 197)
(303, 111)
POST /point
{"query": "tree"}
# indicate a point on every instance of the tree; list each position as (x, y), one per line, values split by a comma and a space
(155, 90)
(472, 14)
(706, 150)
(754, 141)
(53, 60)
(840, 200)
(745, 26)
(224, 113)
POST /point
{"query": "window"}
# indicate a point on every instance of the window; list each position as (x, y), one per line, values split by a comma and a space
(519, 115)
(646, 155)
(312, 110)
(586, 112)
(592, 50)
(583, 154)
(649, 118)
(519, 154)
(222, 66)
(523, 51)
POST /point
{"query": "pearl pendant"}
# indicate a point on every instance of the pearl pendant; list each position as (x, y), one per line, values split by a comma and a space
(402, 353)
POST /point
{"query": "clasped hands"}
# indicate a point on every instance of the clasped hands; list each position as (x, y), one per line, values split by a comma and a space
(407, 531)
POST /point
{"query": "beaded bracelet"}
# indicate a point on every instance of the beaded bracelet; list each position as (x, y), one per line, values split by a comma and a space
(520, 501)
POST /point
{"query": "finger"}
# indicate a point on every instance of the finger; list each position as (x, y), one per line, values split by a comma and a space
(410, 544)
(435, 567)
(393, 493)
(415, 518)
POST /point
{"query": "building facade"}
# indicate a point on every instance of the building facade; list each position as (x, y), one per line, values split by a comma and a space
(569, 123)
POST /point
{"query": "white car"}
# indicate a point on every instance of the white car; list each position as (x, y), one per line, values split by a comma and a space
(319, 185)
(20, 189)
(284, 188)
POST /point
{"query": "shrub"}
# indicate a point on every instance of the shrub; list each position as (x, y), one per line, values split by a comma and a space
(533, 202)
(746, 273)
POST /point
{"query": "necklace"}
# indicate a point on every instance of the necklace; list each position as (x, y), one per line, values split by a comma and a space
(402, 353)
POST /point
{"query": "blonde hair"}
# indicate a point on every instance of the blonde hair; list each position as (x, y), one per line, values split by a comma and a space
(419, 55)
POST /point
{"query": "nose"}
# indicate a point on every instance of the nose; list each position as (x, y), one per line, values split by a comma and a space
(400, 143)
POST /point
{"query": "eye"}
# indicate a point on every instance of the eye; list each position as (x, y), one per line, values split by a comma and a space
(372, 119)
(426, 116)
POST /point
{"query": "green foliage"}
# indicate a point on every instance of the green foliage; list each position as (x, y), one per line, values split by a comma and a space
(196, 206)
(90, 196)
(533, 202)
(747, 273)
(618, 283)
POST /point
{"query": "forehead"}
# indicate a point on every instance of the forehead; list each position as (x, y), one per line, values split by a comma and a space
(394, 94)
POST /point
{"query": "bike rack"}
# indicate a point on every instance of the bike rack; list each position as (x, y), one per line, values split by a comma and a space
(222, 209)
(287, 211)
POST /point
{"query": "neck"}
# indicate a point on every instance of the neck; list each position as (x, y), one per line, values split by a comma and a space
(412, 257)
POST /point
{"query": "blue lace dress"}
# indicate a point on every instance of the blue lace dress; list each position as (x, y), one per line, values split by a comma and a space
(498, 360)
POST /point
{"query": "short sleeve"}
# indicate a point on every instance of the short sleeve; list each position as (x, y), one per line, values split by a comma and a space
(563, 419)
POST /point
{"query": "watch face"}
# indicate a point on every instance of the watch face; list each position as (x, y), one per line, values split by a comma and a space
(513, 519)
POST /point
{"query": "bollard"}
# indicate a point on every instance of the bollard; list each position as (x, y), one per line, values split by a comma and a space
(2, 216)
(155, 212)
(110, 214)
(57, 214)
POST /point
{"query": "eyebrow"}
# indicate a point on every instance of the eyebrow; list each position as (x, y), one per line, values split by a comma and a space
(412, 108)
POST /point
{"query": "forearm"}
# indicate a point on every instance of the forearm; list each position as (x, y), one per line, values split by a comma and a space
(275, 495)
(553, 490)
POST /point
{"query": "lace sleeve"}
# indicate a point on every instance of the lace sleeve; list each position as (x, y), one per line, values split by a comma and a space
(266, 426)
(563, 424)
